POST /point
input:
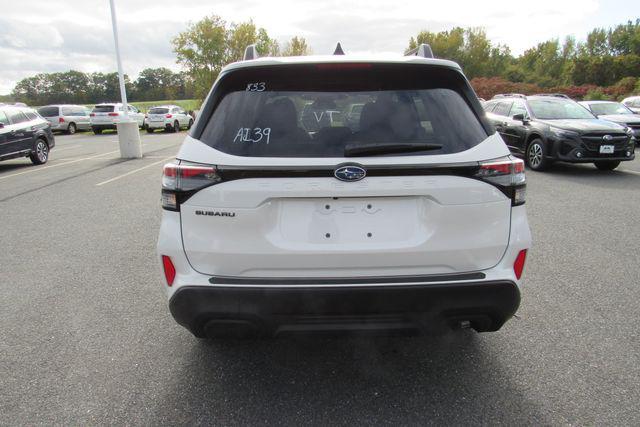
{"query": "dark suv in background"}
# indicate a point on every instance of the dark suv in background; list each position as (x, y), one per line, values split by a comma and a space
(552, 127)
(24, 133)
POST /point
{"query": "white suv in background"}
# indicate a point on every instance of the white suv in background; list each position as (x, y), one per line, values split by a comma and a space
(167, 117)
(105, 116)
(412, 218)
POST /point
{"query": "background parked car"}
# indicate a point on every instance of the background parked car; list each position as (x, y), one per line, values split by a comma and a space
(615, 112)
(633, 103)
(105, 116)
(24, 133)
(66, 118)
(168, 117)
(552, 127)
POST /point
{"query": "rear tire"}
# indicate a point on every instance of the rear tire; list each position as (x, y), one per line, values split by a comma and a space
(536, 155)
(607, 165)
(41, 152)
(150, 130)
(71, 129)
(176, 126)
(190, 124)
(97, 131)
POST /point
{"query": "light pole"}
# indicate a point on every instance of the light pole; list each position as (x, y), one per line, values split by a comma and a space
(128, 133)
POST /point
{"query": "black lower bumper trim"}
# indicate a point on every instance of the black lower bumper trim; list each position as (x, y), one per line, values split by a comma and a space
(287, 281)
(217, 310)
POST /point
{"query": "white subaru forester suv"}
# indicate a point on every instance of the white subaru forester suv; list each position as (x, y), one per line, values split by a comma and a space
(408, 217)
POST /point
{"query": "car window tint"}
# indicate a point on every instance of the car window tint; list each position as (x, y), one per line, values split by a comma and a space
(48, 111)
(502, 109)
(103, 109)
(16, 116)
(307, 114)
(158, 111)
(30, 115)
(66, 111)
(489, 106)
(518, 108)
(3, 118)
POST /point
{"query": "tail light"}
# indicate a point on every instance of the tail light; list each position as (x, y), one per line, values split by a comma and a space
(92, 115)
(61, 120)
(182, 180)
(518, 265)
(168, 116)
(507, 174)
(169, 269)
(113, 114)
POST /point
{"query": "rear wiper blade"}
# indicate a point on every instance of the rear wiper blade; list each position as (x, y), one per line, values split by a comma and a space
(373, 148)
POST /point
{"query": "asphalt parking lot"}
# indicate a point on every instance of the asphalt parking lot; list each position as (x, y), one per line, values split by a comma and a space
(87, 338)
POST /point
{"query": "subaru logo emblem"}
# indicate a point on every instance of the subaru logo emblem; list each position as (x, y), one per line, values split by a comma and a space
(350, 173)
(607, 138)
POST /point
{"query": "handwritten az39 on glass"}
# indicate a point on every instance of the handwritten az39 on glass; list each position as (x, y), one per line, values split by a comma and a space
(254, 135)
(256, 87)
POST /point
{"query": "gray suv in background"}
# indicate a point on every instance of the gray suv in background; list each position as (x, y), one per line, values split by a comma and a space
(66, 118)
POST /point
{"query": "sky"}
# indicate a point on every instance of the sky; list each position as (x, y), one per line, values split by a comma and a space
(57, 35)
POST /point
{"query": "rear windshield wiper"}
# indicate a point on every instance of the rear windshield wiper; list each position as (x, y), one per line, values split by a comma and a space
(373, 148)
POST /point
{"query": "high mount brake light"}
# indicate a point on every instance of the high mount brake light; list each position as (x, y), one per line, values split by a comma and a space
(181, 181)
(507, 174)
(343, 66)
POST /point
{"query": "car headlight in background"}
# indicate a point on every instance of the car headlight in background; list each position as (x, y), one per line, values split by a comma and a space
(561, 133)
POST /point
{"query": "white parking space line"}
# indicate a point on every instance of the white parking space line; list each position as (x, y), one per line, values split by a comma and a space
(59, 164)
(630, 171)
(134, 171)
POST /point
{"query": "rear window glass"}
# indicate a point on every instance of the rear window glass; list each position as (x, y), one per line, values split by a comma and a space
(48, 111)
(317, 110)
(31, 115)
(3, 118)
(158, 111)
(103, 109)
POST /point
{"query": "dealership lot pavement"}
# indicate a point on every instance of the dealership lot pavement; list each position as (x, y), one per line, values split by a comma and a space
(87, 338)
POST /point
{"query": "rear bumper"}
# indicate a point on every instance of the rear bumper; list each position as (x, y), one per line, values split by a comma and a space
(240, 309)
(159, 125)
(103, 126)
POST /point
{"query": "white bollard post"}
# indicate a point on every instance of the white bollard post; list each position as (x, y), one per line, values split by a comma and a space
(129, 139)
(128, 134)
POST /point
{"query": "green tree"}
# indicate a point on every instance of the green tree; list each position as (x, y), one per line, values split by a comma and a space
(209, 44)
(297, 46)
(202, 50)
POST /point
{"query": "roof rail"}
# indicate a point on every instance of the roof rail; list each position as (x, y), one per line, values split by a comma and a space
(557, 95)
(250, 53)
(423, 50)
(338, 50)
(508, 95)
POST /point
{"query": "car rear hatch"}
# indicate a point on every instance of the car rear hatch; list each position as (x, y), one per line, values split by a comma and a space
(399, 191)
(103, 114)
(157, 115)
(51, 114)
